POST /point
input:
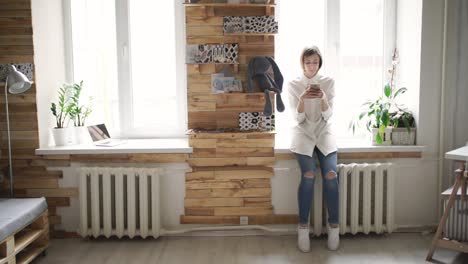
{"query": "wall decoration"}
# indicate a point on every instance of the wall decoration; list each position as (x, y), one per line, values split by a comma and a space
(25, 68)
(260, 24)
(221, 83)
(250, 24)
(256, 121)
(211, 53)
(201, 53)
(230, 53)
(233, 24)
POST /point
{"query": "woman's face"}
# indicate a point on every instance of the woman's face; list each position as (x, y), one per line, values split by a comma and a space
(311, 65)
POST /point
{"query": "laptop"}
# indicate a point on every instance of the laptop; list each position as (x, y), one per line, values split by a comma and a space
(101, 136)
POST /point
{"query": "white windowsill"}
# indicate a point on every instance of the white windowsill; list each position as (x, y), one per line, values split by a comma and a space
(180, 145)
(137, 146)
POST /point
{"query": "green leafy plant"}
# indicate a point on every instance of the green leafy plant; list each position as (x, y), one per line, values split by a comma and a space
(384, 111)
(61, 110)
(403, 118)
(78, 113)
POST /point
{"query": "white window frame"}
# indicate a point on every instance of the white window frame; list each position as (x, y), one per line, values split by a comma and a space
(123, 45)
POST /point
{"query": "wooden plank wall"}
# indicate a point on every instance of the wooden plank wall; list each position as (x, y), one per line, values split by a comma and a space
(231, 171)
(31, 178)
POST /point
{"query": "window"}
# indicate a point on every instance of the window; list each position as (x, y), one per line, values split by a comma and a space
(356, 39)
(125, 51)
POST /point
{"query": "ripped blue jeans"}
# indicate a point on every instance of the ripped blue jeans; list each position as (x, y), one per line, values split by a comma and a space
(305, 193)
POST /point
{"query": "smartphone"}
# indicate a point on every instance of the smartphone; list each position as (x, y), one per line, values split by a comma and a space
(314, 86)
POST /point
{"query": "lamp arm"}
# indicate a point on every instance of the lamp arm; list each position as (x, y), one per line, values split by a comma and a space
(10, 167)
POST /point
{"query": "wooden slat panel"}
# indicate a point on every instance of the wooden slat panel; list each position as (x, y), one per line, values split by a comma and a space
(213, 202)
(205, 211)
(199, 175)
(237, 11)
(25, 183)
(204, 30)
(212, 39)
(241, 102)
(242, 174)
(245, 192)
(257, 202)
(19, 126)
(16, 40)
(212, 184)
(15, 135)
(245, 143)
(201, 106)
(241, 211)
(6, 58)
(204, 21)
(58, 201)
(61, 192)
(16, 50)
(227, 184)
(233, 135)
(14, 13)
(232, 152)
(232, 143)
(235, 220)
(13, 22)
(241, 161)
(225, 220)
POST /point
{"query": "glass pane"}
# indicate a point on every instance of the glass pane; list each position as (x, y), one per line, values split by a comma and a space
(94, 58)
(361, 61)
(301, 24)
(153, 64)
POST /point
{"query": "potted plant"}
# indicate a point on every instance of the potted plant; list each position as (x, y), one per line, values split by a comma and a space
(60, 110)
(404, 128)
(79, 113)
(380, 115)
(377, 119)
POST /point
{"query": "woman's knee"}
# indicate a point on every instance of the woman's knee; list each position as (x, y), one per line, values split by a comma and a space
(330, 175)
(309, 175)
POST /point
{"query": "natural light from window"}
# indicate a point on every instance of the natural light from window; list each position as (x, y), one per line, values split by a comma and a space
(152, 41)
(358, 48)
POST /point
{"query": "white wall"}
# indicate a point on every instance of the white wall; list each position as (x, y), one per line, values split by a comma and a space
(49, 61)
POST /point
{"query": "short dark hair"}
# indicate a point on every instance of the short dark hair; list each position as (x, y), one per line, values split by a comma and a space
(309, 51)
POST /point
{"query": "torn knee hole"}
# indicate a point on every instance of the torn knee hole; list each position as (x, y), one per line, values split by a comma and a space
(330, 175)
(309, 174)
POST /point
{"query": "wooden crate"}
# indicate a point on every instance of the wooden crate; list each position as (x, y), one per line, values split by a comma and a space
(26, 244)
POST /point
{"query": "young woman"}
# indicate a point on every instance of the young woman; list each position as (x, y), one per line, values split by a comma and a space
(311, 98)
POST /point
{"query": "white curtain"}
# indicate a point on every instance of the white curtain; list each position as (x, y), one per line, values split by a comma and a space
(456, 82)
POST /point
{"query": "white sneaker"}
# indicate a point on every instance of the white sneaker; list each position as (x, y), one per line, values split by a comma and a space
(333, 238)
(303, 240)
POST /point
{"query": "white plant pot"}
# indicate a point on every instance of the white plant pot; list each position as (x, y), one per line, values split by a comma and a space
(386, 137)
(63, 136)
(401, 136)
(82, 135)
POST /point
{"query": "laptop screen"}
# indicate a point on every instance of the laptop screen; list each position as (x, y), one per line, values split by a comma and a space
(98, 132)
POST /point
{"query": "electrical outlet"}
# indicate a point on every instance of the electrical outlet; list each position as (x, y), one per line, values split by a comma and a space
(244, 220)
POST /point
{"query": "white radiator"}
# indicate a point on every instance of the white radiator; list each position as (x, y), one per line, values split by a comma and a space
(366, 199)
(456, 227)
(119, 201)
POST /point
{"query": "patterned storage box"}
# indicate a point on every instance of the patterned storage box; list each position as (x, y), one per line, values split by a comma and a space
(256, 121)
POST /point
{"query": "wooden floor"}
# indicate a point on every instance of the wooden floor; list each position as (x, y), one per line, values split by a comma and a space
(394, 248)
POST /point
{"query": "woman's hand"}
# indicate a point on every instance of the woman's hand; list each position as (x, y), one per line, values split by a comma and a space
(313, 93)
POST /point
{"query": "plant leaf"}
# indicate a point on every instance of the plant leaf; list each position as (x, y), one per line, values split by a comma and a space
(388, 91)
(400, 91)
(378, 138)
